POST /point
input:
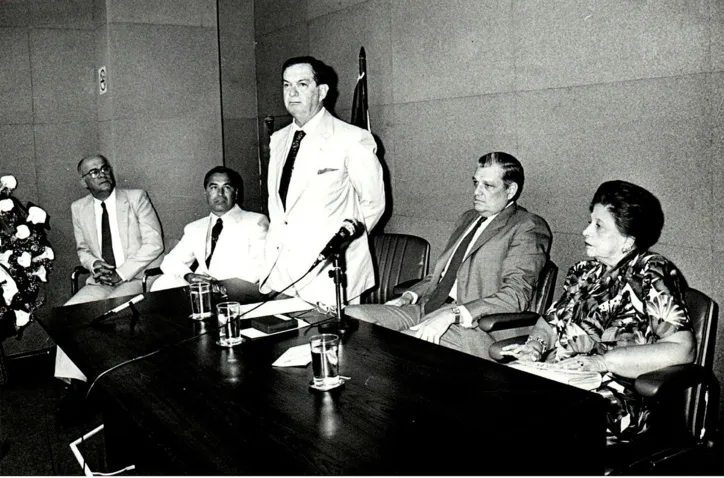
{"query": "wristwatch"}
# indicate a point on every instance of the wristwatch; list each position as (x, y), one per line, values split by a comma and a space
(456, 310)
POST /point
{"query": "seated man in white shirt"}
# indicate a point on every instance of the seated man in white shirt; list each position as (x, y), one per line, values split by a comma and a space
(228, 243)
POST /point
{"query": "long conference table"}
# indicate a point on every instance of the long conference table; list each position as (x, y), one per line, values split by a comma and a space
(410, 408)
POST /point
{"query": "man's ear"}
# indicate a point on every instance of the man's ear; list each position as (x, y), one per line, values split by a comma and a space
(512, 190)
(323, 90)
(83, 184)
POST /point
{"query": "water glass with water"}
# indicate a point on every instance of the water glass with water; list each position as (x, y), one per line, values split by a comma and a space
(325, 360)
(200, 294)
(227, 314)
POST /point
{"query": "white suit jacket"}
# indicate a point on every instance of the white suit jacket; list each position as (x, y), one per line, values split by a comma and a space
(138, 227)
(342, 181)
(238, 251)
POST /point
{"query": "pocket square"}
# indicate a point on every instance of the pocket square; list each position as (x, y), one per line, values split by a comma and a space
(326, 170)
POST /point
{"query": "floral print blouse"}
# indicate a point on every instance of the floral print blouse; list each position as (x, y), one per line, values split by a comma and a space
(638, 302)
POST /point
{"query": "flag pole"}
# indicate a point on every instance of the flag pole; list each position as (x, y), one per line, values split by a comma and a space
(360, 112)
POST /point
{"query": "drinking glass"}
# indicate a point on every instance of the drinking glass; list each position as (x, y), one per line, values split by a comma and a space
(227, 314)
(325, 360)
(200, 295)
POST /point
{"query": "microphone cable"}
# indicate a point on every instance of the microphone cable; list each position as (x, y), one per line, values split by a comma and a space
(193, 337)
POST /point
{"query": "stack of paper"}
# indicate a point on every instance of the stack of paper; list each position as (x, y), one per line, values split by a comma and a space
(551, 371)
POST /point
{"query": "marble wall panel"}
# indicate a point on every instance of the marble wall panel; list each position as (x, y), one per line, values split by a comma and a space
(238, 64)
(162, 71)
(197, 13)
(650, 132)
(272, 15)
(437, 145)
(15, 13)
(241, 153)
(63, 75)
(336, 39)
(451, 48)
(572, 42)
(271, 52)
(16, 97)
(318, 8)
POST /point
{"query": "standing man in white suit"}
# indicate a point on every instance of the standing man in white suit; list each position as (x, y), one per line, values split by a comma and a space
(228, 243)
(321, 172)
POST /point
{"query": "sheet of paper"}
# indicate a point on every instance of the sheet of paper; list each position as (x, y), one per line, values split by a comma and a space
(577, 378)
(274, 307)
(298, 356)
(253, 333)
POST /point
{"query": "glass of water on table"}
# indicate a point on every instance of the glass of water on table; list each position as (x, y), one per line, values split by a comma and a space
(228, 316)
(200, 296)
(325, 361)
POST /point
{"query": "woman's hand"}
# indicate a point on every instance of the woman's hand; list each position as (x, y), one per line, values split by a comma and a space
(585, 363)
(523, 352)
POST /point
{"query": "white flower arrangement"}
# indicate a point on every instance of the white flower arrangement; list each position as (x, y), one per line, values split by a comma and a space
(25, 259)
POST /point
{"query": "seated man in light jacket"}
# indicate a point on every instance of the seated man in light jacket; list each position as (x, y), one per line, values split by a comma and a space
(228, 243)
(117, 235)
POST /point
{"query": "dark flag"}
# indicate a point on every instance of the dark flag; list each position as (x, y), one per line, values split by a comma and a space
(360, 114)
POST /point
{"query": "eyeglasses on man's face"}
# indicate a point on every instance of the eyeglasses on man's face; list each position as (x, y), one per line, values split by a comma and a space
(95, 172)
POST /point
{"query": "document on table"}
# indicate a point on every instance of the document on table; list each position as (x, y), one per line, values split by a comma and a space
(577, 378)
(298, 356)
(274, 307)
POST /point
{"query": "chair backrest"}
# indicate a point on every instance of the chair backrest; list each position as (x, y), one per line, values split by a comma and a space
(702, 412)
(543, 294)
(398, 258)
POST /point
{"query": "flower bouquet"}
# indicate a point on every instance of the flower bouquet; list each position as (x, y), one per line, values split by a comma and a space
(25, 259)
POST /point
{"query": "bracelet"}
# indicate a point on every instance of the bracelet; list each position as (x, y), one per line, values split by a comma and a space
(534, 338)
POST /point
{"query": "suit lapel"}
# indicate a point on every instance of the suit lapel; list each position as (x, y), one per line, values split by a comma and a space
(306, 170)
(89, 218)
(454, 239)
(280, 158)
(492, 228)
(122, 209)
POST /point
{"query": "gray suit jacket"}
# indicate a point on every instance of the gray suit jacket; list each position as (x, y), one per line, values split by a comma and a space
(500, 273)
(138, 226)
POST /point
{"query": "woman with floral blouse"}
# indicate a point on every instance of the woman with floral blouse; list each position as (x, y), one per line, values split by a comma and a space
(622, 313)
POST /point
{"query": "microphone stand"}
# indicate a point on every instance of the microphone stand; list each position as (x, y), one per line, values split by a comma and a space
(341, 326)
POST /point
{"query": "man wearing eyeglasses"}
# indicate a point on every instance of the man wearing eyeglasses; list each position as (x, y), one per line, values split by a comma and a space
(118, 236)
(117, 233)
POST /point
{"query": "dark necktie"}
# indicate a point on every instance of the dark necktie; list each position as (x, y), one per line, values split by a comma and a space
(106, 240)
(289, 166)
(215, 232)
(442, 291)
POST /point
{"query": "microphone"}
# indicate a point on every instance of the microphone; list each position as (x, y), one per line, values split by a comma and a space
(350, 230)
(119, 308)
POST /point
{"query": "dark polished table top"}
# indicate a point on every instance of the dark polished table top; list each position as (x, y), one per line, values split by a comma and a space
(410, 408)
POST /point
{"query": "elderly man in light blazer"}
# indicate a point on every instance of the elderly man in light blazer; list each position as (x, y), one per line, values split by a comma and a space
(135, 241)
(490, 265)
(117, 235)
(227, 243)
(322, 171)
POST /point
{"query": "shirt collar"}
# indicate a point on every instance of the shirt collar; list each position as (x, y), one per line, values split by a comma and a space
(110, 199)
(224, 217)
(310, 125)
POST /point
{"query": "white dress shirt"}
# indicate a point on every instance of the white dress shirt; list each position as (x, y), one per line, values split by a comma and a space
(113, 221)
